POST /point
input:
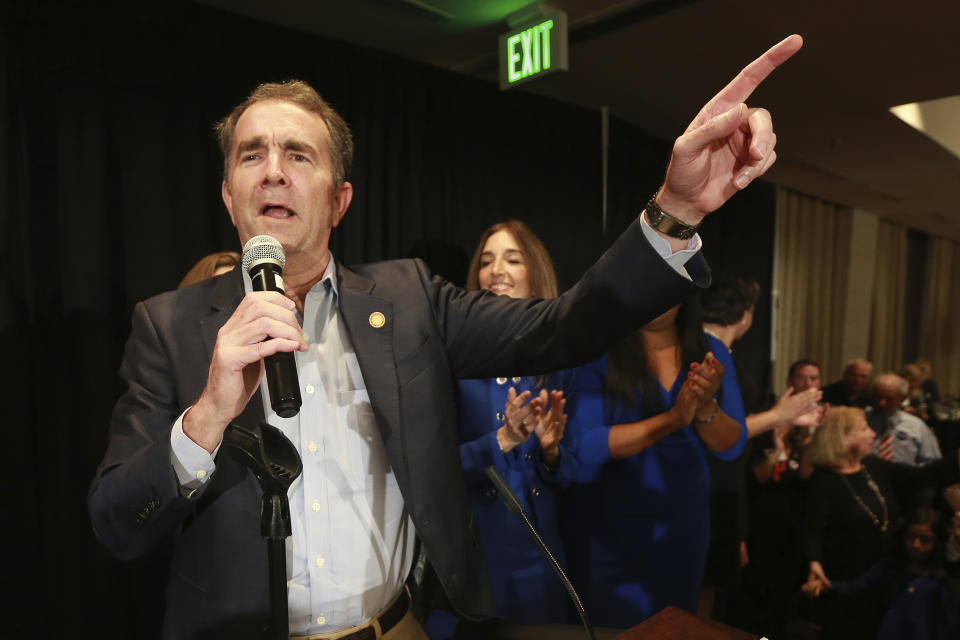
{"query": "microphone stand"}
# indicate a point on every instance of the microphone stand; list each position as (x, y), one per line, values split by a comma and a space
(513, 504)
(275, 463)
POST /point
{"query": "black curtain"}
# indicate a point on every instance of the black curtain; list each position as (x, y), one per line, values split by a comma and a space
(110, 191)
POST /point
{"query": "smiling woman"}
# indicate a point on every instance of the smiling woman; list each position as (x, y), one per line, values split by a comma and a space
(517, 425)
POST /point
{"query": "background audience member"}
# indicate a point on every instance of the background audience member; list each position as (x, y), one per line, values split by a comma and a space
(642, 422)
(912, 588)
(931, 391)
(853, 390)
(915, 403)
(515, 424)
(728, 314)
(214, 264)
(901, 437)
(853, 504)
(777, 466)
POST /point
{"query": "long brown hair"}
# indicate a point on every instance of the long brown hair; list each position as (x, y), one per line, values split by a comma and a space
(628, 366)
(543, 278)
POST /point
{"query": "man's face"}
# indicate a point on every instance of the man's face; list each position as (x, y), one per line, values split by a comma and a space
(804, 377)
(857, 377)
(887, 398)
(281, 179)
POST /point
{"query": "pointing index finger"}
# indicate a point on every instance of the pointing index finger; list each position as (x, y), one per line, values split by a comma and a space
(740, 88)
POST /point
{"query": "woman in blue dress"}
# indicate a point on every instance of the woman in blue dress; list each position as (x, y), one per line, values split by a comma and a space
(643, 420)
(515, 424)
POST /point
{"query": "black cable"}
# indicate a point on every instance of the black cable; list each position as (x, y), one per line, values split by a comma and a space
(514, 505)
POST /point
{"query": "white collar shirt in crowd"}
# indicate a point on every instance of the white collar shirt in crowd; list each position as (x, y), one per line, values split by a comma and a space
(910, 441)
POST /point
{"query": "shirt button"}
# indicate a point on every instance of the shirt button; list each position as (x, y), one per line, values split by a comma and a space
(201, 474)
(320, 561)
(501, 381)
(321, 620)
(309, 389)
(536, 492)
(312, 447)
(500, 416)
(528, 457)
(315, 506)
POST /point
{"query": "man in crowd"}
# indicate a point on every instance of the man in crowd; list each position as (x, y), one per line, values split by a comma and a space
(853, 390)
(803, 375)
(377, 348)
(901, 437)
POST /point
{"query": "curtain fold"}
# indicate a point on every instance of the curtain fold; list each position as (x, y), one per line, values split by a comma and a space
(889, 293)
(810, 282)
(939, 340)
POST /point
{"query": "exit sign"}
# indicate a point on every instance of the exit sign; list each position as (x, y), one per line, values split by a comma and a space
(534, 49)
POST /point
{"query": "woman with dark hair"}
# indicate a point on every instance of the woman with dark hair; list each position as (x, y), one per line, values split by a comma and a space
(853, 506)
(516, 425)
(912, 586)
(643, 420)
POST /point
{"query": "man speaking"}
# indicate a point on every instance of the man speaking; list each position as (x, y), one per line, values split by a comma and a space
(377, 349)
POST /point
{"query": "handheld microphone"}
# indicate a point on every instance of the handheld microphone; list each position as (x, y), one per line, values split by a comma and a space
(263, 259)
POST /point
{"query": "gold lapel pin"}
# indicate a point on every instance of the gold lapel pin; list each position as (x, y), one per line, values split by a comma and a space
(377, 320)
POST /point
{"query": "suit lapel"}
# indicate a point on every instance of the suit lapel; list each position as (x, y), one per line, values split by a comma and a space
(369, 323)
(227, 295)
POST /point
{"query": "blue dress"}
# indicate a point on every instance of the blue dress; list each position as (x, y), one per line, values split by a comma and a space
(525, 587)
(637, 530)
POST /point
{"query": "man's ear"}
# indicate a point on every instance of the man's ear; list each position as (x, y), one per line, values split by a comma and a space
(227, 200)
(341, 201)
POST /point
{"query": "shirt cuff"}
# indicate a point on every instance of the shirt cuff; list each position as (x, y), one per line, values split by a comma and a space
(676, 259)
(193, 464)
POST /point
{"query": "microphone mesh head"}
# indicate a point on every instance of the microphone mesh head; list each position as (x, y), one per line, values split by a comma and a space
(260, 249)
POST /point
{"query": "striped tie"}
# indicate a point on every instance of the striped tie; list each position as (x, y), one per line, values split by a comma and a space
(885, 447)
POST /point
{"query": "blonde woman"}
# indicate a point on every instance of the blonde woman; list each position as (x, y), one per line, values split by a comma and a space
(854, 502)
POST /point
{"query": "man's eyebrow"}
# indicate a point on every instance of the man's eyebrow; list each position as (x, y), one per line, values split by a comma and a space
(298, 145)
(250, 144)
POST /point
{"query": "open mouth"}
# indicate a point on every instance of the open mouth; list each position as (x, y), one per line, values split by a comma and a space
(276, 211)
(499, 287)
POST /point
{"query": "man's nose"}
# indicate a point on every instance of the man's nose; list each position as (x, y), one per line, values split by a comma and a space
(274, 173)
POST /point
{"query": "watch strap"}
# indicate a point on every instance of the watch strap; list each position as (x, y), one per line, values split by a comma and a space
(666, 223)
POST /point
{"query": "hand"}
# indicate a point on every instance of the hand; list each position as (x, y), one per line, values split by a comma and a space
(800, 408)
(520, 419)
(551, 426)
(706, 376)
(779, 435)
(817, 581)
(685, 407)
(744, 555)
(726, 146)
(263, 324)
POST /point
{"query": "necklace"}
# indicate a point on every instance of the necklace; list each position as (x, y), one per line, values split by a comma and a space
(876, 490)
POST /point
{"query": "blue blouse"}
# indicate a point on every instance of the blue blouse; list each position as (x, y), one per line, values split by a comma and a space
(638, 529)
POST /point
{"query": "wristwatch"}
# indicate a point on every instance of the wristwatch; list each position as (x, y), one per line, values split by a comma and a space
(666, 223)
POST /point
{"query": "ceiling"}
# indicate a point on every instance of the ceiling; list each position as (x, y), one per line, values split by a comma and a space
(655, 62)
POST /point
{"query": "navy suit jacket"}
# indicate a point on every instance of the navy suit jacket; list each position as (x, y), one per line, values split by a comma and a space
(434, 333)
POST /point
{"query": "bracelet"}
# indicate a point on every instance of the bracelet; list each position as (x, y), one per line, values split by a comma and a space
(716, 410)
(666, 223)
